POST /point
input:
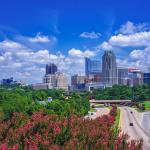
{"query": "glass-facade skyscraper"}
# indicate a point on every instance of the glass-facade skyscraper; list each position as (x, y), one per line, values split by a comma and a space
(146, 78)
(51, 68)
(92, 66)
(109, 68)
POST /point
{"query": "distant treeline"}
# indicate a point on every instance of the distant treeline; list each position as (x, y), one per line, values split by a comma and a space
(117, 92)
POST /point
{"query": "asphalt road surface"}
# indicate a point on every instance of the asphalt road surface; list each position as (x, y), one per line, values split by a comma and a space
(100, 111)
(135, 131)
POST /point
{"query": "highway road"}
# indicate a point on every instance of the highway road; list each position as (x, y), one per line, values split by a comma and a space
(135, 131)
(100, 111)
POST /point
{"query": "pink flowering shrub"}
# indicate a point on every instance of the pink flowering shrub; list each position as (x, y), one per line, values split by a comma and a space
(49, 132)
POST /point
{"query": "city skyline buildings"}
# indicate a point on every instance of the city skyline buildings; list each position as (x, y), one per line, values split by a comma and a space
(53, 78)
(122, 75)
(92, 66)
(109, 68)
(147, 78)
(101, 72)
(30, 39)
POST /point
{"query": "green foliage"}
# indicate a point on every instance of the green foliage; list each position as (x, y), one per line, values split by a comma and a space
(143, 106)
(16, 102)
(137, 93)
(75, 104)
(26, 100)
(141, 93)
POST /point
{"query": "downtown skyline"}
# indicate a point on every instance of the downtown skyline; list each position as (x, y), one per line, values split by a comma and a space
(66, 34)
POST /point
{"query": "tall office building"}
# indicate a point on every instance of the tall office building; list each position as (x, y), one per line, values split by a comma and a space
(109, 68)
(122, 76)
(135, 77)
(61, 81)
(53, 79)
(57, 80)
(51, 68)
(78, 82)
(50, 79)
(92, 67)
(146, 78)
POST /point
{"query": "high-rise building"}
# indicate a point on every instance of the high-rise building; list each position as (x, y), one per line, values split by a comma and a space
(92, 66)
(50, 79)
(146, 78)
(54, 79)
(61, 81)
(122, 76)
(7, 81)
(109, 68)
(135, 77)
(78, 82)
(130, 76)
(57, 80)
(51, 68)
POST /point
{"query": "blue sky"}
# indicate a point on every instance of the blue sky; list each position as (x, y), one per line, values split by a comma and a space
(35, 32)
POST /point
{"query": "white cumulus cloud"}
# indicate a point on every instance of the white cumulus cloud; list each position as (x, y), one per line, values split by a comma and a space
(138, 59)
(10, 45)
(26, 64)
(132, 40)
(78, 53)
(39, 38)
(129, 35)
(131, 28)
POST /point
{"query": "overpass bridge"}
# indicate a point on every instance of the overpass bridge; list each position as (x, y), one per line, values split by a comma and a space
(110, 102)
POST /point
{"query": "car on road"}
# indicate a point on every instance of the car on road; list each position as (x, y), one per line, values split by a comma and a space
(131, 112)
(130, 124)
(91, 113)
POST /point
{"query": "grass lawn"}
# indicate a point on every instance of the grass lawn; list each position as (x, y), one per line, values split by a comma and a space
(147, 105)
(116, 123)
(97, 105)
(93, 110)
(139, 110)
(117, 119)
(110, 107)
